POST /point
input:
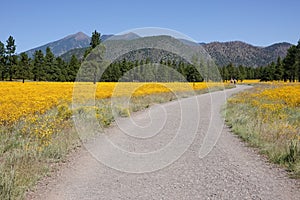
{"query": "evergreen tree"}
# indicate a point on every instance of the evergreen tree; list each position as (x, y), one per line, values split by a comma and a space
(95, 41)
(2, 61)
(94, 65)
(258, 72)
(297, 60)
(181, 70)
(266, 74)
(51, 69)
(10, 53)
(241, 73)
(23, 70)
(231, 71)
(290, 70)
(201, 66)
(192, 75)
(278, 70)
(62, 66)
(116, 72)
(224, 73)
(38, 70)
(73, 68)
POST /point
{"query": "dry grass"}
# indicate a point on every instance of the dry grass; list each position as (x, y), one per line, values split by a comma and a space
(32, 142)
(268, 117)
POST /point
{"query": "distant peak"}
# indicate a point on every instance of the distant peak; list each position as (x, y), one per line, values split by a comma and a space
(81, 36)
(78, 36)
(126, 36)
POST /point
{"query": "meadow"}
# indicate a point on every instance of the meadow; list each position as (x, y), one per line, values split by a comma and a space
(268, 117)
(37, 130)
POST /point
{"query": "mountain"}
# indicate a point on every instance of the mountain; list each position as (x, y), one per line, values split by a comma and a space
(79, 52)
(279, 48)
(154, 48)
(126, 36)
(71, 42)
(223, 53)
(236, 52)
(61, 46)
(105, 37)
(188, 42)
(240, 53)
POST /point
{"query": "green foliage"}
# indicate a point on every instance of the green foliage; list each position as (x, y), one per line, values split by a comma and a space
(10, 46)
(23, 69)
(279, 70)
(11, 58)
(96, 39)
(291, 64)
(50, 68)
(52, 71)
(38, 66)
(287, 70)
(2, 61)
(73, 68)
(93, 65)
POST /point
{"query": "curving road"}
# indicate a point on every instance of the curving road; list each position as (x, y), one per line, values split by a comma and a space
(215, 164)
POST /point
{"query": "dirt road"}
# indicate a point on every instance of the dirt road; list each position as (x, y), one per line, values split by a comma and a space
(190, 166)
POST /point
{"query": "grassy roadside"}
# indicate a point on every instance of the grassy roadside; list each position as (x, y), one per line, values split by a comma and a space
(31, 147)
(268, 117)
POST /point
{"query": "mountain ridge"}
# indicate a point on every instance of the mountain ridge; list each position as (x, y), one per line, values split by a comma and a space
(61, 46)
(242, 53)
(236, 52)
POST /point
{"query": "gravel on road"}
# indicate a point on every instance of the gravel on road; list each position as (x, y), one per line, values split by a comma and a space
(208, 161)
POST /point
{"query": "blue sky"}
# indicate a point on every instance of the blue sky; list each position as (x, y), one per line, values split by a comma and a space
(260, 22)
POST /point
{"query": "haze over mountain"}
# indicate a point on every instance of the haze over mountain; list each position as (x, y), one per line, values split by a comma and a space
(236, 52)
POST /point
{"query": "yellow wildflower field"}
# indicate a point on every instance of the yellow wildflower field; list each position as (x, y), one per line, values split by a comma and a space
(267, 116)
(23, 99)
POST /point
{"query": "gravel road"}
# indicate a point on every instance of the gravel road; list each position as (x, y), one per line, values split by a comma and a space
(202, 170)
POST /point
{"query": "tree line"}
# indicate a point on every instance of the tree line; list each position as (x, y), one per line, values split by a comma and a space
(286, 69)
(48, 67)
(42, 67)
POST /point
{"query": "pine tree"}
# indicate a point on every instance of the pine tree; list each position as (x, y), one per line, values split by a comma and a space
(290, 70)
(73, 68)
(95, 41)
(10, 53)
(38, 66)
(116, 72)
(23, 70)
(297, 60)
(268, 72)
(241, 73)
(278, 70)
(62, 66)
(51, 69)
(2, 61)
(231, 71)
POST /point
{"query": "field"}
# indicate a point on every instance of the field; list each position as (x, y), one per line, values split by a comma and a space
(37, 130)
(36, 126)
(20, 100)
(268, 117)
